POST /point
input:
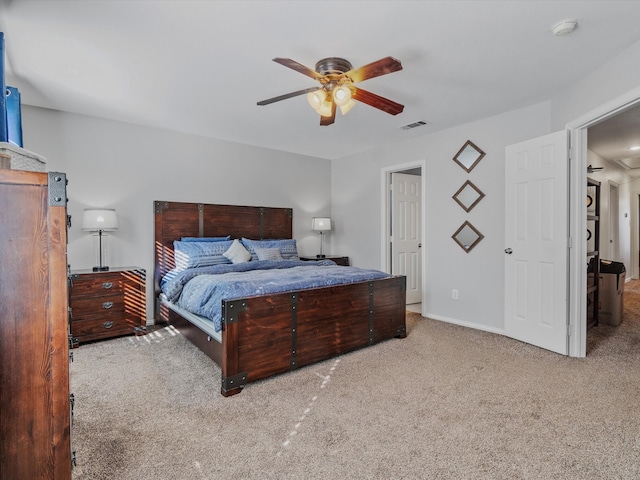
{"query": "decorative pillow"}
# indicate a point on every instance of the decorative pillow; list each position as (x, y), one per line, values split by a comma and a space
(237, 253)
(287, 247)
(269, 254)
(205, 239)
(199, 254)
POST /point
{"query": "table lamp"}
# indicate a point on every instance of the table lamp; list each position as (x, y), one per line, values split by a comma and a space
(100, 220)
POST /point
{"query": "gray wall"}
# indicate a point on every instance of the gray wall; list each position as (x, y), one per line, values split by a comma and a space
(479, 274)
(126, 167)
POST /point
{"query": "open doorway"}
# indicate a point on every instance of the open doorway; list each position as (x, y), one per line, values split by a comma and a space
(580, 129)
(403, 228)
(613, 164)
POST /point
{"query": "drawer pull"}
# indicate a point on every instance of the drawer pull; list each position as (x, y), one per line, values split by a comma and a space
(107, 305)
(107, 285)
(107, 324)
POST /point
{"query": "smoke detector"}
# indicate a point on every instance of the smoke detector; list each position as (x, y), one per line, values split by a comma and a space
(564, 27)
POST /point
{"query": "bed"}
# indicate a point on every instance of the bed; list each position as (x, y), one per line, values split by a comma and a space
(269, 334)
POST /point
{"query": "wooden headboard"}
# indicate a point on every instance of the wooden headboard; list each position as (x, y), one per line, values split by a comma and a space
(174, 220)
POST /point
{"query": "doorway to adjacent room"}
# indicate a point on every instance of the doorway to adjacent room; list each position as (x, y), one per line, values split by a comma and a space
(403, 228)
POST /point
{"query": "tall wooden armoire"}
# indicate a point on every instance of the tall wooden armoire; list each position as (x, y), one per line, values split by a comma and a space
(34, 348)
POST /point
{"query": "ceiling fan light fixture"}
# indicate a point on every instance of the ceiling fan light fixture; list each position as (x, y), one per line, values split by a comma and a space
(341, 95)
(316, 98)
(336, 77)
(347, 106)
(325, 109)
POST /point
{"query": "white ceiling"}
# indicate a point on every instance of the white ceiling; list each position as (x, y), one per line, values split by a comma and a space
(200, 66)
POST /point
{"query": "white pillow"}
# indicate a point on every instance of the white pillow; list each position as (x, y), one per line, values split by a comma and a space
(237, 253)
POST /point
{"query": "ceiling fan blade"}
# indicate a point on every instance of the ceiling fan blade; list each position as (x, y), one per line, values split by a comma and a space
(298, 67)
(324, 121)
(377, 101)
(288, 95)
(374, 69)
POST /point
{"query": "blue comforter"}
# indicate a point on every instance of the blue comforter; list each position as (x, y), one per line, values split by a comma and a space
(201, 290)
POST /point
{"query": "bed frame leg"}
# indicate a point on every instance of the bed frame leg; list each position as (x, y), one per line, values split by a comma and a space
(401, 332)
(228, 393)
(233, 385)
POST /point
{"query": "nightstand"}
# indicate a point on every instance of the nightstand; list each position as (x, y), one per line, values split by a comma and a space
(106, 304)
(344, 261)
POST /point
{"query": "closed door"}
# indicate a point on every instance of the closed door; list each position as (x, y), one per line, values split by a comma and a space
(406, 227)
(536, 241)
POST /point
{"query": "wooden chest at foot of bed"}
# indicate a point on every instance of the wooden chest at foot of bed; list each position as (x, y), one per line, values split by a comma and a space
(106, 304)
(265, 336)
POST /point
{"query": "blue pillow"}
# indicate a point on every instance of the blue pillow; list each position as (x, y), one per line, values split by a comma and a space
(205, 239)
(200, 254)
(287, 247)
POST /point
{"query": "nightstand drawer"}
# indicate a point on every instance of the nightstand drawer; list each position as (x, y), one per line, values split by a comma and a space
(89, 330)
(90, 285)
(107, 306)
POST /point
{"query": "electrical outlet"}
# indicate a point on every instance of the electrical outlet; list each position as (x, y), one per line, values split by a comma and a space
(454, 294)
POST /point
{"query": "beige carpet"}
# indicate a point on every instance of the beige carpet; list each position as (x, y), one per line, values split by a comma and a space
(445, 403)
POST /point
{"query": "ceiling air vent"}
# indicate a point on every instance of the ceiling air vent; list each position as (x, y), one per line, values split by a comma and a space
(409, 126)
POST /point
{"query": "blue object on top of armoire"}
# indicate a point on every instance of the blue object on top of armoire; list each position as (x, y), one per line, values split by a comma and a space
(4, 133)
(14, 116)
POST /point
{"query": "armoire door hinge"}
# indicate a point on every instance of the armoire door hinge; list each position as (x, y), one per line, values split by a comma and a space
(57, 189)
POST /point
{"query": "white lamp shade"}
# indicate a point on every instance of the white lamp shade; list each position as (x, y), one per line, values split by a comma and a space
(94, 220)
(321, 224)
(325, 109)
(341, 95)
(347, 106)
(316, 98)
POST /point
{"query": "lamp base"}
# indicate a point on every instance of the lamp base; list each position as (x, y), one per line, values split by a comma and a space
(100, 269)
(321, 256)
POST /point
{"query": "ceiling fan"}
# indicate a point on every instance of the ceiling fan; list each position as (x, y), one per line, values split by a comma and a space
(337, 77)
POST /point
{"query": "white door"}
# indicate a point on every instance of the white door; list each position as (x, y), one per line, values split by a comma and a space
(405, 232)
(614, 222)
(537, 241)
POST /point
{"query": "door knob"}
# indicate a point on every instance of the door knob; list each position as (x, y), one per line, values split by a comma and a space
(508, 251)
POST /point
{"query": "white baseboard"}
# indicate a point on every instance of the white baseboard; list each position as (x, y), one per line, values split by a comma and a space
(485, 328)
